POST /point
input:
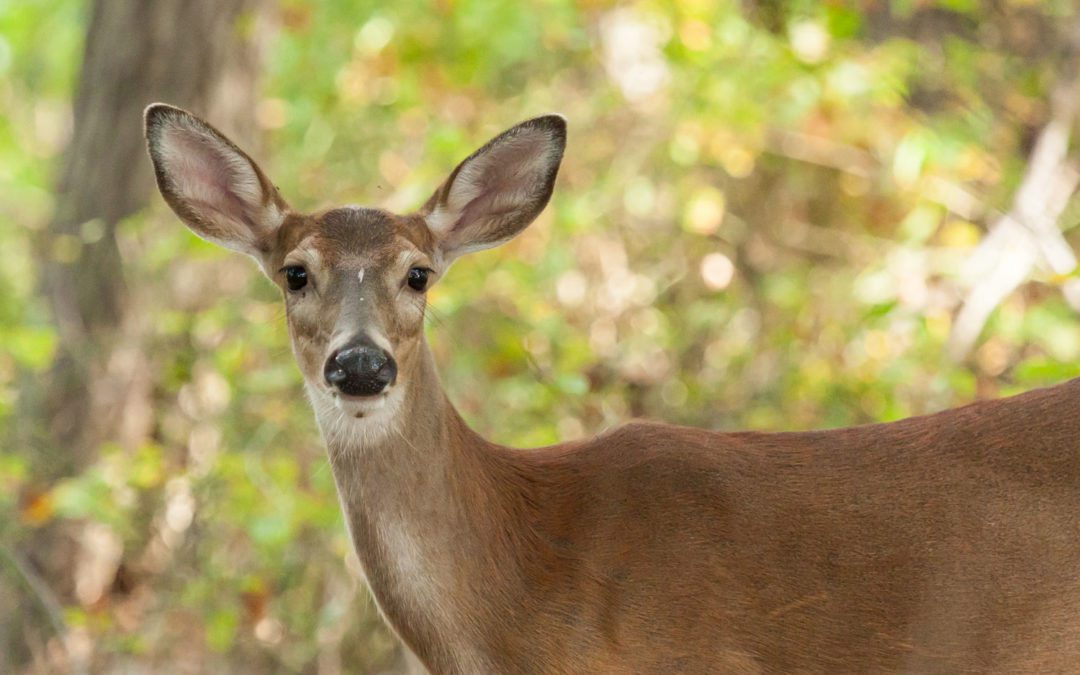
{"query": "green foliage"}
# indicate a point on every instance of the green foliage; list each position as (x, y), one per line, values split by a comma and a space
(748, 233)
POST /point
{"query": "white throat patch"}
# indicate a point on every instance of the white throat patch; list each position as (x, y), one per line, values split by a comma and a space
(351, 426)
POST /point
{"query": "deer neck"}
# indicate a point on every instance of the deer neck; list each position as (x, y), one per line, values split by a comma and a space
(418, 500)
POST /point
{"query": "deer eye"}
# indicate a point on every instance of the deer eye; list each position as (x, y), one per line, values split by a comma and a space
(418, 278)
(295, 277)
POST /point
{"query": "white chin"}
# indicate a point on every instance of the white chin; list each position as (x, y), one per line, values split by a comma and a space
(365, 407)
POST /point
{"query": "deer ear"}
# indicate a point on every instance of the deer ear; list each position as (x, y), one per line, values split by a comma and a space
(495, 193)
(212, 185)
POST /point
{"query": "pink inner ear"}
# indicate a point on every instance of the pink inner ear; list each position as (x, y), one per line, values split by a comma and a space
(209, 175)
(503, 180)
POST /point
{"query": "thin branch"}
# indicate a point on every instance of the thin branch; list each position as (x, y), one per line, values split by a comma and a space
(45, 597)
(1028, 234)
(857, 162)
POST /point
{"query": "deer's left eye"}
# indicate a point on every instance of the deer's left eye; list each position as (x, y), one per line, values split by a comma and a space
(418, 278)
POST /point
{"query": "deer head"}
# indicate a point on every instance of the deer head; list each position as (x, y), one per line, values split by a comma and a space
(354, 279)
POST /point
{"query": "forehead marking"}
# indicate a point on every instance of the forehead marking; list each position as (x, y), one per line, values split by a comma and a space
(360, 275)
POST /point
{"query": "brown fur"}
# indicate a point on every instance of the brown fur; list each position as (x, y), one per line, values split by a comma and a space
(946, 543)
(937, 544)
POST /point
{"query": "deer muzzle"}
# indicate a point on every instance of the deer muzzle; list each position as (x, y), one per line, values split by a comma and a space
(360, 368)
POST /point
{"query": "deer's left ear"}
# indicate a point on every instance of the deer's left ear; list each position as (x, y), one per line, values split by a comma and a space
(495, 193)
(215, 188)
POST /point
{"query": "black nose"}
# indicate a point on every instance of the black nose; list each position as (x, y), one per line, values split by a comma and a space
(360, 369)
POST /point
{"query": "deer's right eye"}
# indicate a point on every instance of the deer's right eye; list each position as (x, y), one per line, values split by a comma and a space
(295, 277)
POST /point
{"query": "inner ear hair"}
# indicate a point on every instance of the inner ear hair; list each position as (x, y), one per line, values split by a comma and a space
(210, 183)
(498, 190)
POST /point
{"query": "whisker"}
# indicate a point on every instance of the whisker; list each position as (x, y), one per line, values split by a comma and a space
(323, 466)
(444, 326)
(397, 430)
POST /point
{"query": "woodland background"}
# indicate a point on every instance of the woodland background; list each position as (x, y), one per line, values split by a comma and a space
(772, 215)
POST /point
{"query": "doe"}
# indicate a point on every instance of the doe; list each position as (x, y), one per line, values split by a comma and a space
(945, 543)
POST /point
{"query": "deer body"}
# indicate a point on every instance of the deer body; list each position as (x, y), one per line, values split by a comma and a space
(946, 543)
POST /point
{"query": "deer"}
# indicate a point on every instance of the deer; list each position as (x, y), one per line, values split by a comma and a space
(942, 543)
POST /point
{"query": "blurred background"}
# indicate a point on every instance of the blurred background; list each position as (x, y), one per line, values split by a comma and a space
(772, 215)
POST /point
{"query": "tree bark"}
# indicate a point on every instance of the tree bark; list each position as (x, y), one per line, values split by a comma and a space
(199, 54)
(204, 55)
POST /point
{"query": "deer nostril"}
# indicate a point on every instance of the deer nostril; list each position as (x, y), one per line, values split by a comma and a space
(388, 372)
(335, 374)
(360, 370)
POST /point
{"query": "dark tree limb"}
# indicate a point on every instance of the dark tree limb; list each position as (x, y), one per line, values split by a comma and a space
(195, 53)
(200, 54)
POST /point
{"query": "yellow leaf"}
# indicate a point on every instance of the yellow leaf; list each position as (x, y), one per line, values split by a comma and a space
(37, 508)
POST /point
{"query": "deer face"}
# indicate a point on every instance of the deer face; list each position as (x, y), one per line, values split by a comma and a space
(354, 282)
(354, 279)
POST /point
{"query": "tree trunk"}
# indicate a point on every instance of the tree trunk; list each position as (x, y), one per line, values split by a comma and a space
(199, 54)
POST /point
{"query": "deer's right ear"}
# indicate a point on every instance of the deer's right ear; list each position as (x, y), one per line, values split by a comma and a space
(211, 184)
